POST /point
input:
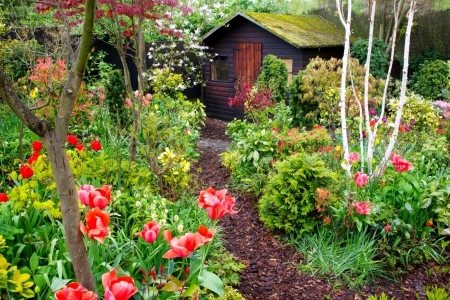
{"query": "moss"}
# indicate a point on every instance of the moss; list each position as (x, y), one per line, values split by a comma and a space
(301, 31)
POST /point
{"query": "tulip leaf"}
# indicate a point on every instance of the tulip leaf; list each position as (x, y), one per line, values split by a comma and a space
(212, 282)
(190, 291)
(34, 262)
(58, 283)
(409, 207)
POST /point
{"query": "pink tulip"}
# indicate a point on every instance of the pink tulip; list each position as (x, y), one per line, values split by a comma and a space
(388, 227)
(362, 208)
(216, 203)
(361, 179)
(93, 197)
(353, 157)
(150, 232)
(183, 246)
(206, 234)
(118, 288)
(97, 224)
(75, 291)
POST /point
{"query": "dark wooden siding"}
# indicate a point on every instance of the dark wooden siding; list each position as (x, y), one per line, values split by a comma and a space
(240, 30)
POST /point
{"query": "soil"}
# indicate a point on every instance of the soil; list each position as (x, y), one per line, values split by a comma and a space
(271, 271)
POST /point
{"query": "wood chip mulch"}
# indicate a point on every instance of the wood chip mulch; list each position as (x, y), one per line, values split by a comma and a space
(271, 271)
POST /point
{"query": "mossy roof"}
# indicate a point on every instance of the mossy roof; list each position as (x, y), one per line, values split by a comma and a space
(307, 31)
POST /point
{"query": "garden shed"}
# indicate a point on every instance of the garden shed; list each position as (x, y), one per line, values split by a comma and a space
(239, 46)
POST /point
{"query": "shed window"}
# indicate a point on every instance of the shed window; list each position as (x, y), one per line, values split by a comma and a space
(289, 63)
(219, 68)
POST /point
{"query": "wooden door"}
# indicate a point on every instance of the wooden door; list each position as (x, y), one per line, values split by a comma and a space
(247, 61)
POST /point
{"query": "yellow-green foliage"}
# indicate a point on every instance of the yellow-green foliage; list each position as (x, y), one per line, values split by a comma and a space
(166, 83)
(230, 294)
(11, 279)
(178, 168)
(419, 110)
(38, 191)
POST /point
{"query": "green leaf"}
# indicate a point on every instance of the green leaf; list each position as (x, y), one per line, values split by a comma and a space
(27, 293)
(212, 282)
(409, 207)
(34, 262)
(171, 287)
(358, 224)
(58, 283)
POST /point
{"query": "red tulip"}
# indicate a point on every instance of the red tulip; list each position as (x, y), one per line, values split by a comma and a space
(216, 203)
(97, 224)
(388, 227)
(395, 158)
(96, 145)
(403, 166)
(150, 232)
(361, 179)
(362, 208)
(79, 146)
(206, 234)
(26, 171)
(118, 288)
(93, 197)
(33, 157)
(75, 291)
(430, 223)
(353, 157)
(3, 197)
(183, 246)
(37, 146)
(72, 140)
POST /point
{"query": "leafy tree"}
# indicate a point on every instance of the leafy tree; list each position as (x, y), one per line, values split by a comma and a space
(54, 137)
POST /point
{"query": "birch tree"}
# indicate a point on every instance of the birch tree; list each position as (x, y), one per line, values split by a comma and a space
(371, 134)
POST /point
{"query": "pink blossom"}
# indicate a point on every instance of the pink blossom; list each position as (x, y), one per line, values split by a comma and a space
(361, 179)
(353, 157)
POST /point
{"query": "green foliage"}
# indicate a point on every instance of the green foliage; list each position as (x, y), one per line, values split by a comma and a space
(432, 78)
(417, 61)
(288, 201)
(351, 258)
(383, 296)
(115, 99)
(230, 294)
(378, 59)
(225, 265)
(274, 76)
(295, 103)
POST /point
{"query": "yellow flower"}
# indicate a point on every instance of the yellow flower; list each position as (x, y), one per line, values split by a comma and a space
(374, 160)
(343, 162)
(377, 141)
(156, 107)
(34, 92)
(338, 148)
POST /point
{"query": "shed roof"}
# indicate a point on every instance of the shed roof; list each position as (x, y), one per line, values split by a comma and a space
(307, 31)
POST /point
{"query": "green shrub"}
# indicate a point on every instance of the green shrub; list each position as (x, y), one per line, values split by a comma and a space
(230, 294)
(288, 202)
(274, 76)
(432, 78)
(378, 59)
(297, 108)
(417, 60)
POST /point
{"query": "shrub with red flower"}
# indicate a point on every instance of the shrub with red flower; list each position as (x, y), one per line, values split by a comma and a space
(150, 232)
(361, 179)
(183, 246)
(95, 197)
(118, 288)
(362, 208)
(96, 145)
(216, 203)
(26, 171)
(37, 146)
(3, 197)
(75, 291)
(33, 157)
(72, 140)
(97, 222)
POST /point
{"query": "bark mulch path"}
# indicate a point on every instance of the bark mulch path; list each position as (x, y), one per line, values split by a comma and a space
(270, 271)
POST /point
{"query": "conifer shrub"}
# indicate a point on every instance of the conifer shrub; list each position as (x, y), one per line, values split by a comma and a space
(378, 59)
(274, 76)
(115, 99)
(432, 78)
(289, 198)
